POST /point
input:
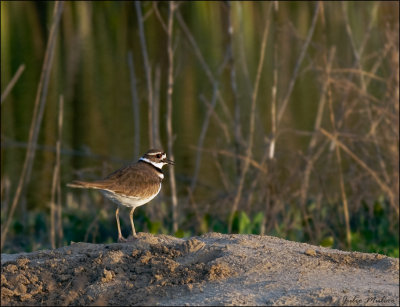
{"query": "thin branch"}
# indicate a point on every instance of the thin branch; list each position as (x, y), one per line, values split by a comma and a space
(298, 64)
(59, 226)
(135, 106)
(56, 178)
(223, 126)
(274, 90)
(202, 136)
(11, 84)
(156, 107)
(60, 232)
(224, 179)
(147, 69)
(234, 89)
(205, 67)
(321, 104)
(273, 105)
(155, 7)
(195, 47)
(241, 46)
(374, 175)
(341, 180)
(359, 72)
(169, 115)
(227, 153)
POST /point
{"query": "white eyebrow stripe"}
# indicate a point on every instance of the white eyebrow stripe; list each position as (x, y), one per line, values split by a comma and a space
(155, 153)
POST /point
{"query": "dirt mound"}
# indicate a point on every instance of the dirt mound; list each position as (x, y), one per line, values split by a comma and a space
(213, 269)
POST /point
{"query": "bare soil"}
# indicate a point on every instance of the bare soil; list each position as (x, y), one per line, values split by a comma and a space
(213, 269)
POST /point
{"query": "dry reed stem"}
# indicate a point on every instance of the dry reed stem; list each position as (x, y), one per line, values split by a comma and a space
(321, 104)
(219, 121)
(225, 109)
(267, 210)
(202, 136)
(40, 103)
(251, 124)
(357, 71)
(12, 82)
(224, 179)
(298, 64)
(195, 47)
(135, 106)
(352, 43)
(56, 179)
(60, 233)
(273, 105)
(372, 22)
(170, 89)
(158, 15)
(5, 194)
(52, 207)
(240, 45)
(227, 153)
(374, 175)
(312, 158)
(147, 69)
(91, 226)
(156, 107)
(256, 179)
(154, 212)
(59, 225)
(358, 52)
(339, 162)
(274, 90)
(196, 210)
(231, 60)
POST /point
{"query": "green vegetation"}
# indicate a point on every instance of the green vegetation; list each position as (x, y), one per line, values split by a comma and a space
(373, 233)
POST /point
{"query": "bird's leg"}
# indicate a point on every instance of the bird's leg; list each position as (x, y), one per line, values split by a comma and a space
(133, 226)
(120, 237)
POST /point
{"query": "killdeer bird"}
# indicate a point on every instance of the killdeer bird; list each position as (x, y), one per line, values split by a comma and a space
(133, 185)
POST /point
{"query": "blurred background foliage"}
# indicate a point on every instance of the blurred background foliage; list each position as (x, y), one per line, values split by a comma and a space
(328, 65)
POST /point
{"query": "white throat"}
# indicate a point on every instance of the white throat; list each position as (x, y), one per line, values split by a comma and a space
(156, 164)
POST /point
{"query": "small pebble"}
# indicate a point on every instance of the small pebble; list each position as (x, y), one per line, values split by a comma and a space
(310, 252)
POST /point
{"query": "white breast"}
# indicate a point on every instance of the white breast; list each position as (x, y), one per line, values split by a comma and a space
(128, 201)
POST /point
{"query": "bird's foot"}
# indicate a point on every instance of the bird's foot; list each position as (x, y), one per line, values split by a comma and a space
(132, 238)
(121, 239)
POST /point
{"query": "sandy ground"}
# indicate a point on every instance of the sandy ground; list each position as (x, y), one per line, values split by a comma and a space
(213, 269)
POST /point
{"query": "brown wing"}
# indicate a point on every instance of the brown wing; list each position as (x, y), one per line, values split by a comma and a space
(133, 180)
(139, 180)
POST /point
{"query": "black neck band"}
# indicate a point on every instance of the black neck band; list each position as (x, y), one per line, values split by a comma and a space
(159, 170)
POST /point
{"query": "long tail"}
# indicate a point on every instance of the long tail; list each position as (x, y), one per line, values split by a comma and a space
(100, 184)
(82, 184)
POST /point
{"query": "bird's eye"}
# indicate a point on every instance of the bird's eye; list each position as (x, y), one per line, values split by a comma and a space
(159, 156)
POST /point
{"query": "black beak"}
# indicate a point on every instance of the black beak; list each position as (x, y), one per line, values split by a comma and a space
(168, 161)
